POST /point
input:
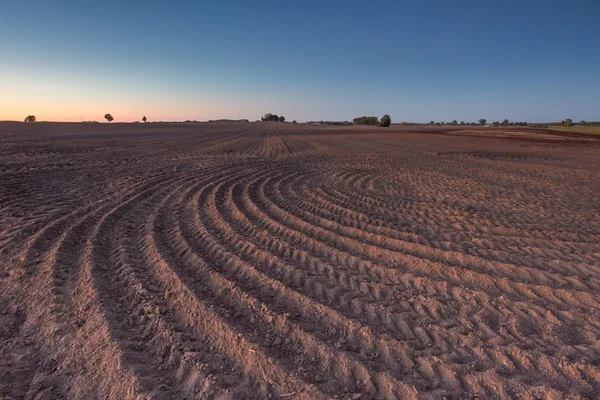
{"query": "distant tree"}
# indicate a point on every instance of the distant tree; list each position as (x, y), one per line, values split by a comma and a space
(271, 117)
(567, 122)
(365, 121)
(281, 118)
(437, 124)
(505, 122)
(30, 118)
(108, 117)
(431, 122)
(583, 123)
(144, 119)
(294, 122)
(385, 121)
(454, 122)
(495, 123)
(462, 122)
(482, 121)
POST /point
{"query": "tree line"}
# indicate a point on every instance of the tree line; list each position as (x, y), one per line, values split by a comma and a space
(228, 120)
(461, 123)
(272, 118)
(507, 123)
(330, 122)
(385, 121)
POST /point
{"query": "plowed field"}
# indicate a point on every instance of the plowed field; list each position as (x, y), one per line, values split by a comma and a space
(263, 260)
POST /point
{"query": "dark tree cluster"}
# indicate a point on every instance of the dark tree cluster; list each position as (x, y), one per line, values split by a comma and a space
(366, 121)
(273, 118)
(455, 123)
(228, 120)
(567, 122)
(385, 121)
(507, 123)
(30, 118)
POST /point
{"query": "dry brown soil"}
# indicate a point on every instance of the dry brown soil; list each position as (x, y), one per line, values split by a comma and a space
(263, 260)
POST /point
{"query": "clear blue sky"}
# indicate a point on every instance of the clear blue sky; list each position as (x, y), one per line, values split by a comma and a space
(308, 60)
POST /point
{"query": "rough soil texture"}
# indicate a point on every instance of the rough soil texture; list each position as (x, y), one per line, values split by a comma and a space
(262, 260)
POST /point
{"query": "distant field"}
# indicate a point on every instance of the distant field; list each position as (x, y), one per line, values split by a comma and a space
(589, 130)
(267, 260)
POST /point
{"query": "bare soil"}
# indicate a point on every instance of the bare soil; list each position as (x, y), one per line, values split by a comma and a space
(267, 260)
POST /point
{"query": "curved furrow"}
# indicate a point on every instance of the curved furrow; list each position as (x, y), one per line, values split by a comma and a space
(112, 272)
(103, 267)
(39, 243)
(263, 288)
(294, 223)
(306, 284)
(510, 332)
(438, 193)
(347, 291)
(382, 237)
(229, 239)
(430, 214)
(60, 277)
(354, 292)
(443, 195)
(51, 260)
(525, 303)
(289, 267)
(494, 243)
(219, 311)
(154, 308)
(489, 235)
(377, 248)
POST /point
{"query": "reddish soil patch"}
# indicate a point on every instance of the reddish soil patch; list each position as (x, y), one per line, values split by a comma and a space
(261, 260)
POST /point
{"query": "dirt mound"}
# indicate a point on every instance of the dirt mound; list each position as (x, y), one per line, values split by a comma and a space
(261, 260)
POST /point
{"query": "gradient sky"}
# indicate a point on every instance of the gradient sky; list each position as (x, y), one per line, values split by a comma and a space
(308, 60)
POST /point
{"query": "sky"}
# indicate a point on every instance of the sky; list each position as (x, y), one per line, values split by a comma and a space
(307, 60)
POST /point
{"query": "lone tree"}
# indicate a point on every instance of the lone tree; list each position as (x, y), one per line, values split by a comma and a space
(282, 119)
(108, 117)
(567, 122)
(505, 122)
(385, 121)
(30, 118)
(144, 119)
(482, 121)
